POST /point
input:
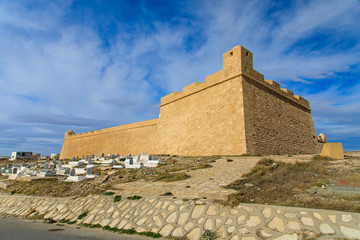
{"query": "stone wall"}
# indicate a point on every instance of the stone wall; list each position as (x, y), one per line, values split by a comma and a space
(275, 124)
(131, 138)
(178, 218)
(235, 111)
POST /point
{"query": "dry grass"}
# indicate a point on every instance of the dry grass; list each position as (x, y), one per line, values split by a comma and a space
(172, 177)
(279, 183)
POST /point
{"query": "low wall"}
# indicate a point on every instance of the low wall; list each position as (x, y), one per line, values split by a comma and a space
(132, 138)
(178, 218)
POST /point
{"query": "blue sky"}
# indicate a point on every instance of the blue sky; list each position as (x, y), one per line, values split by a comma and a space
(88, 65)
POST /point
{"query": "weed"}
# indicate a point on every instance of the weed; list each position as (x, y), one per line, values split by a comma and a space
(151, 234)
(117, 198)
(229, 160)
(208, 235)
(322, 158)
(49, 221)
(135, 197)
(109, 193)
(83, 215)
(167, 194)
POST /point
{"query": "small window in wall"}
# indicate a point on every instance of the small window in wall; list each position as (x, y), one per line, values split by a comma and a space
(247, 53)
(231, 53)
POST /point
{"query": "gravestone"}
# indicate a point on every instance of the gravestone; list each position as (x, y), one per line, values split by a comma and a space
(73, 159)
(89, 171)
(102, 155)
(87, 158)
(59, 164)
(90, 161)
(46, 167)
(114, 162)
(131, 161)
(72, 172)
(14, 170)
(93, 156)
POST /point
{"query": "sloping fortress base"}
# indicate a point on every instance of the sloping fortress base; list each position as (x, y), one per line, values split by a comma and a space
(235, 111)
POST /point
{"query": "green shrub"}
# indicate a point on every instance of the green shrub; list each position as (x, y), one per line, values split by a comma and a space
(117, 198)
(83, 215)
(208, 235)
(135, 197)
(109, 193)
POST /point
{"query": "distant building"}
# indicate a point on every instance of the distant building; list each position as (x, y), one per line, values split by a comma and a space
(54, 155)
(21, 155)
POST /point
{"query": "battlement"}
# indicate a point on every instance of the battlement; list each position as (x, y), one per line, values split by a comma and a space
(236, 62)
(125, 127)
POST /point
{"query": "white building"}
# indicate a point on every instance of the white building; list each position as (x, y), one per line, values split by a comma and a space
(21, 155)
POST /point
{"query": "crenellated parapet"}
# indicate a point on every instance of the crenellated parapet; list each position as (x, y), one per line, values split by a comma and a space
(236, 62)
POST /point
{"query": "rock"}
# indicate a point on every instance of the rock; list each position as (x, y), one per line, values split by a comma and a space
(183, 218)
(166, 230)
(346, 218)
(293, 225)
(157, 220)
(198, 209)
(211, 210)
(265, 234)
(171, 218)
(235, 237)
(266, 212)
(221, 232)
(141, 221)
(194, 234)
(178, 232)
(230, 229)
(253, 221)
(318, 216)
(209, 224)
(350, 232)
(307, 221)
(241, 219)
(232, 211)
(277, 224)
(188, 226)
(326, 229)
(228, 221)
(332, 218)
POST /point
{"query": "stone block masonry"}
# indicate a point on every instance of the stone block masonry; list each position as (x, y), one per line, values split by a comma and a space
(235, 111)
(178, 218)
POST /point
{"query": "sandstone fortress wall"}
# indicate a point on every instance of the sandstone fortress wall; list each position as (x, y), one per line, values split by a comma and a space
(235, 111)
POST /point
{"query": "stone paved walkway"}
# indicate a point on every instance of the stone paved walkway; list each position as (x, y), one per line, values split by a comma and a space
(203, 183)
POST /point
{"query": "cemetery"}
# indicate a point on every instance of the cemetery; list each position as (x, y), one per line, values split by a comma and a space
(77, 170)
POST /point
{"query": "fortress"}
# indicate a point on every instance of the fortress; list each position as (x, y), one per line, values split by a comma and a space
(234, 112)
